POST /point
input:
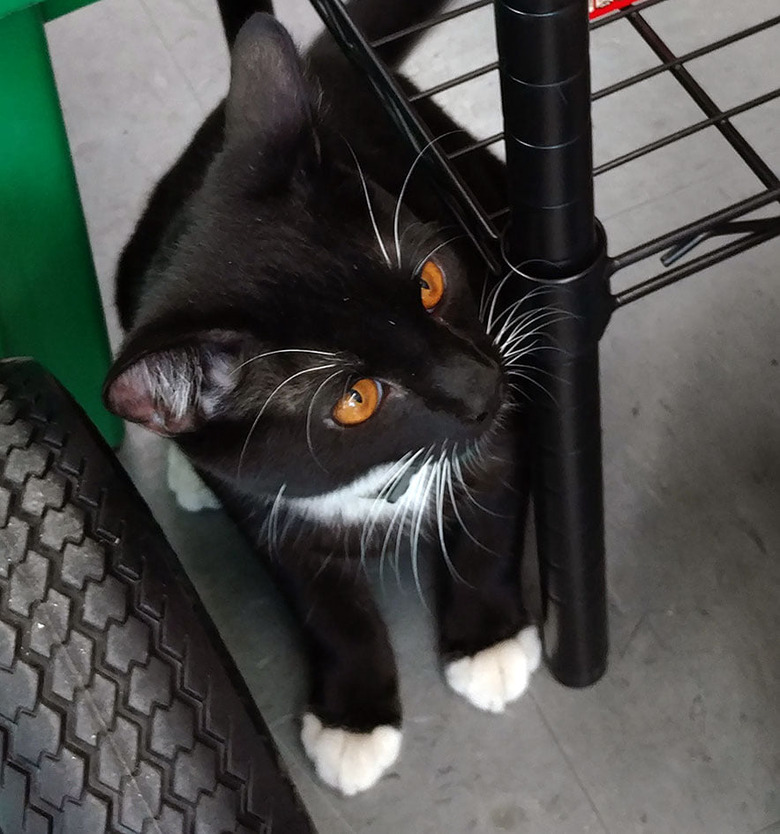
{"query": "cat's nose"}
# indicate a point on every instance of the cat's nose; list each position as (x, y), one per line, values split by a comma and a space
(472, 385)
(483, 392)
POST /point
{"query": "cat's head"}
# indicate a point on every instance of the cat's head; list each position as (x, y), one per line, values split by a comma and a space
(302, 330)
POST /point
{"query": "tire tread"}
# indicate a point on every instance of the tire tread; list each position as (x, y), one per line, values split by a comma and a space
(120, 710)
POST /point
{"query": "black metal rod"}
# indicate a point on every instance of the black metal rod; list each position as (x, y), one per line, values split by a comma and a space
(545, 88)
(738, 227)
(737, 141)
(686, 58)
(718, 121)
(552, 240)
(704, 261)
(475, 146)
(684, 247)
(431, 22)
(453, 82)
(734, 227)
(703, 224)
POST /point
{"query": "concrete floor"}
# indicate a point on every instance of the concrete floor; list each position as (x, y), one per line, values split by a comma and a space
(682, 736)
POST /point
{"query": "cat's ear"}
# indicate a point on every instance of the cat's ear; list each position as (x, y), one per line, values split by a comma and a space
(268, 96)
(177, 388)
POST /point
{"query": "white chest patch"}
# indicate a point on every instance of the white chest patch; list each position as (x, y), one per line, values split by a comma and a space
(362, 498)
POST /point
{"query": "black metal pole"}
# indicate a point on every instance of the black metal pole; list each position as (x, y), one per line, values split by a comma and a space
(554, 243)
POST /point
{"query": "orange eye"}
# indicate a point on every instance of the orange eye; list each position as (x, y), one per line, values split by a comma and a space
(431, 285)
(359, 403)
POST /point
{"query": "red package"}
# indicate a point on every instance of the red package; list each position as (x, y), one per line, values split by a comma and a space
(597, 8)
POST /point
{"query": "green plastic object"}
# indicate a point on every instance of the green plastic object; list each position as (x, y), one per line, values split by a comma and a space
(50, 305)
(49, 8)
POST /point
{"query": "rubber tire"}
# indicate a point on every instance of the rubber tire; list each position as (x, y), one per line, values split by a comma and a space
(120, 708)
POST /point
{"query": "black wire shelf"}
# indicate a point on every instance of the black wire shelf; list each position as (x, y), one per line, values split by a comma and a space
(677, 250)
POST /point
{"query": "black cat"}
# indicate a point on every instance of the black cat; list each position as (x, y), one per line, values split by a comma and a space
(303, 324)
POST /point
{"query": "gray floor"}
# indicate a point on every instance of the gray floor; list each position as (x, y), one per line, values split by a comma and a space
(683, 733)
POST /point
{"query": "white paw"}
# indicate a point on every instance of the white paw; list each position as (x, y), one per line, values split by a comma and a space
(494, 677)
(349, 762)
(184, 482)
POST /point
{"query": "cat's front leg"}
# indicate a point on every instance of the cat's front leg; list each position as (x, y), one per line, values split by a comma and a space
(488, 645)
(352, 728)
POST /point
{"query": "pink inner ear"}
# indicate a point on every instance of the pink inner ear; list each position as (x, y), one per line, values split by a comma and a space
(132, 397)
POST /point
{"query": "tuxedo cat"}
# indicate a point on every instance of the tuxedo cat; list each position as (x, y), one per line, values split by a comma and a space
(319, 343)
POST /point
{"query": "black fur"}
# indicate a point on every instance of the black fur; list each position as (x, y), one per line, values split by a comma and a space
(259, 240)
(235, 13)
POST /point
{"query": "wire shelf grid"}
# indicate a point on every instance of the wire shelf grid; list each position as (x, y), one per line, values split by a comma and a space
(677, 247)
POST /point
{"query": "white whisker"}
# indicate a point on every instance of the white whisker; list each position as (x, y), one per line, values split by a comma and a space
(398, 205)
(433, 251)
(284, 350)
(467, 492)
(372, 517)
(538, 384)
(308, 417)
(515, 368)
(531, 318)
(531, 324)
(493, 294)
(400, 504)
(396, 510)
(369, 206)
(417, 528)
(270, 523)
(456, 511)
(514, 323)
(515, 345)
(492, 300)
(515, 386)
(265, 405)
(539, 329)
(408, 505)
(440, 486)
(519, 349)
(399, 516)
(507, 311)
(482, 294)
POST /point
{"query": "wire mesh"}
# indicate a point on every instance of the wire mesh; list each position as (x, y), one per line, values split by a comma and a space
(677, 247)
